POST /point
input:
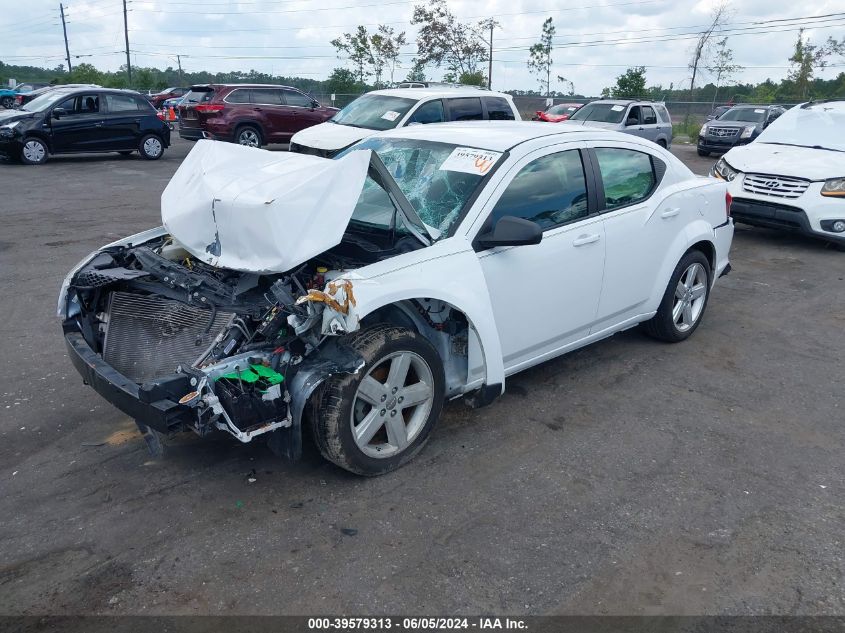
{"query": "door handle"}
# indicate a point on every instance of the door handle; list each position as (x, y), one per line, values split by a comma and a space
(582, 240)
(257, 109)
(670, 213)
(98, 124)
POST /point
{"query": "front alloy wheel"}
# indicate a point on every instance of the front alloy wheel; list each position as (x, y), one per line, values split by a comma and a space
(375, 420)
(392, 404)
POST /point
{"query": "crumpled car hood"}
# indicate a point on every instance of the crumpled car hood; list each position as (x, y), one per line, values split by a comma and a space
(258, 211)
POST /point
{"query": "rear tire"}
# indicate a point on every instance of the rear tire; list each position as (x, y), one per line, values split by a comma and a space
(8, 102)
(34, 151)
(151, 147)
(376, 420)
(662, 143)
(684, 301)
(248, 135)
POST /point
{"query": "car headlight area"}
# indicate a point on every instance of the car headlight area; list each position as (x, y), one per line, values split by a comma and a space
(724, 171)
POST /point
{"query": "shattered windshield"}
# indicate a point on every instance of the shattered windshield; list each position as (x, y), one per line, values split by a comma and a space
(374, 112)
(438, 190)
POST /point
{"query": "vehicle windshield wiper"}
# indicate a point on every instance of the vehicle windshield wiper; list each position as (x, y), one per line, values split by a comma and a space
(829, 149)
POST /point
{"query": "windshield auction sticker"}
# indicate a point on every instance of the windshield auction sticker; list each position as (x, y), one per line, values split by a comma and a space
(390, 115)
(470, 161)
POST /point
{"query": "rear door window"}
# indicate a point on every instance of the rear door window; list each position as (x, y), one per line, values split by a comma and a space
(121, 103)
(296, 98)
(498, 109)
(465, 109)
(263, 96)
(429, 112)
(649, 116)
(627, 175)
(240, 95)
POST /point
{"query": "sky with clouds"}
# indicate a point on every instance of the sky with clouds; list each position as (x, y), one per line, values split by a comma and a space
(596, 39)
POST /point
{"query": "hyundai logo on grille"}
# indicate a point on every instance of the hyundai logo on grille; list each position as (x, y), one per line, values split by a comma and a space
(770, 184)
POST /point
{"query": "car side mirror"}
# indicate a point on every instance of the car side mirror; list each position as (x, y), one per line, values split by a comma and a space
(511, 231)
(58, 113)
(315, 104)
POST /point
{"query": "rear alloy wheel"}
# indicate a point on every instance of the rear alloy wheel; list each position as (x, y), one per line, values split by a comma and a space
(249, 136)
(376, 420)
(8, 102)
(684, 301)
(34, 151)
(151, 147)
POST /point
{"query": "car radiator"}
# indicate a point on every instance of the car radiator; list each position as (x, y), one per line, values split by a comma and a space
(147, 337)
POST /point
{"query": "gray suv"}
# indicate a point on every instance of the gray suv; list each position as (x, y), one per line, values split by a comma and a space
(647, 119)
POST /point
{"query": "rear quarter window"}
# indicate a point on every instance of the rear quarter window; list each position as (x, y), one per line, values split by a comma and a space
(239, 95)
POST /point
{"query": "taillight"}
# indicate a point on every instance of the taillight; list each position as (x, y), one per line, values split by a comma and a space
(209, 108)
(728, 200)
(19, 99)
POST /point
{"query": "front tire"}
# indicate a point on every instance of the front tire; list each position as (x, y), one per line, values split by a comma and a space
(684, 301)
(34, 151)
(151, 147)
(701, 152)
(376, 420)
(249, 136)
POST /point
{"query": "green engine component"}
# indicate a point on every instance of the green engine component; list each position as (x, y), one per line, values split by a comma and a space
(261, 377)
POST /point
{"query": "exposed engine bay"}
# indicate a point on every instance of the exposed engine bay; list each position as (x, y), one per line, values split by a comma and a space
(226, 345)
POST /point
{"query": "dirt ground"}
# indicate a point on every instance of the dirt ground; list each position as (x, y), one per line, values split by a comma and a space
(630, 477)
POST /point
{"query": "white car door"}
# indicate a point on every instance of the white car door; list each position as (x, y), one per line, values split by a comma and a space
(545, 296)
(640, 225)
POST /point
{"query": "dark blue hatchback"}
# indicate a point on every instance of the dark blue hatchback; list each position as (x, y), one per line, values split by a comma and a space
(82, 120)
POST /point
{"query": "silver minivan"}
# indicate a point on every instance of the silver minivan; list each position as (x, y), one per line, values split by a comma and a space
(647, 119)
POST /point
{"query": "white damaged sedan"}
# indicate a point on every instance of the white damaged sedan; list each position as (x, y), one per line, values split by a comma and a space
(358, 294)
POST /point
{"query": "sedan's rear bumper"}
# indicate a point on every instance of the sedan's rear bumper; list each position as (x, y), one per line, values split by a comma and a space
(161, 414)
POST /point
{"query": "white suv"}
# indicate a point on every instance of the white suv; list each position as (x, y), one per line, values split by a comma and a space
(793, 176)
(382, 110)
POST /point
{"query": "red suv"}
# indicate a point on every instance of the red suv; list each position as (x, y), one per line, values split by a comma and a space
(249, 114)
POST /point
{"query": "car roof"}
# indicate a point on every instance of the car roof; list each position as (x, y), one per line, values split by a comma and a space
(435, 92)
(497, 136)
(241, 86)
(837, 105)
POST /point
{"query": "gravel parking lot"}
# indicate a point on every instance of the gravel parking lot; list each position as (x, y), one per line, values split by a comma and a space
(631, 477)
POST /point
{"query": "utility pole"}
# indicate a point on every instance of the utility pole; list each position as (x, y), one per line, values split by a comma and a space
(64, 29)
(179, 61)
(126, 37)
(491, 24)
(490, 61)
